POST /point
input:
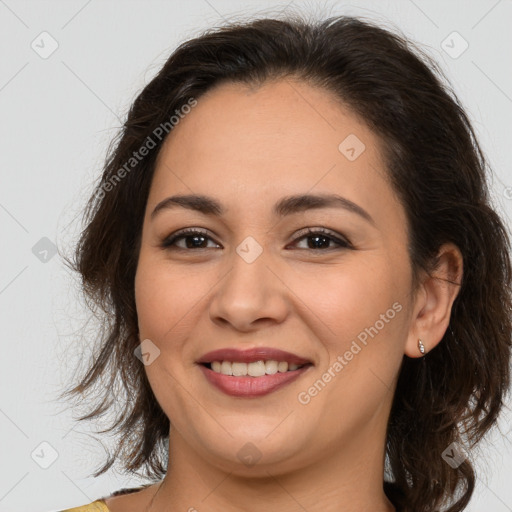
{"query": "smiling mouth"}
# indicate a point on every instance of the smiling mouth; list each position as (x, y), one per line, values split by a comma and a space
(251, 380)
(255, 369)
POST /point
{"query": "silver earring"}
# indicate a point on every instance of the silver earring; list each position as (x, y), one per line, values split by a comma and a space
(421, 346)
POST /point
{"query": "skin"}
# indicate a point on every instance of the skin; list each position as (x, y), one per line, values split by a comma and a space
(248, 147)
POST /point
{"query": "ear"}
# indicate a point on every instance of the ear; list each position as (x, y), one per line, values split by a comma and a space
(433, 301)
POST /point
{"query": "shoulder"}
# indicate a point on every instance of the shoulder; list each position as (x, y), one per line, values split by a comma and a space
(95, 506)
(132, 499)
(105, 503)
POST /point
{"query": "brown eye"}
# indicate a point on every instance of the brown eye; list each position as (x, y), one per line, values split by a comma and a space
(318, 239)
(321, 239)
(194, 239)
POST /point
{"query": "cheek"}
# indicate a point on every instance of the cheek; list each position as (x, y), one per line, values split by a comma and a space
(366, 317)
(164, 302)
(147, 299)
(155, 300)
(352, 296)
(166, 298)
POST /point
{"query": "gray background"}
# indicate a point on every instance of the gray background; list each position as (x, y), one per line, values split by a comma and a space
(57, 116)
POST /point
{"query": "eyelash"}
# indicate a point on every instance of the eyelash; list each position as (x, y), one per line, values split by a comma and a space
(169, 242)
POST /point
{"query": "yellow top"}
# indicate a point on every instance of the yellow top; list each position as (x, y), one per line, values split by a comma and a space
(95, 506)
(100, 506)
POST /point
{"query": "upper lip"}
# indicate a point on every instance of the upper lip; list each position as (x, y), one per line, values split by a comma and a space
(252, 355)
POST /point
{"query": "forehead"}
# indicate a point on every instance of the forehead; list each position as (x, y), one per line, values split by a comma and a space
(284, 137)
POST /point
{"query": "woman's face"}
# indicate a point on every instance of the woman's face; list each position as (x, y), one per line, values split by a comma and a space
(253, 277)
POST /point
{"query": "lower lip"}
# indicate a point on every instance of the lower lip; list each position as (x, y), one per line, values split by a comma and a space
(251, 386)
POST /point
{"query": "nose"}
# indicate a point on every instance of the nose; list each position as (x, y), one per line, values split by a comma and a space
(251, 294)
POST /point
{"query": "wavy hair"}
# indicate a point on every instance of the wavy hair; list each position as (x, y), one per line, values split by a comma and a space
(434, 162)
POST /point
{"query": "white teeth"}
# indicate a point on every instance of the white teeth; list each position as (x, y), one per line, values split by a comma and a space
(239, 369)
(271, 367)
(225, 368)
(282, 366)
(255, 369)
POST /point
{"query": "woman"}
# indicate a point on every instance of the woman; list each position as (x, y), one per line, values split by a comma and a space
(305, 286)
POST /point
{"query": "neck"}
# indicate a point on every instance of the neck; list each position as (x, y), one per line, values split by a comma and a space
(349, 479)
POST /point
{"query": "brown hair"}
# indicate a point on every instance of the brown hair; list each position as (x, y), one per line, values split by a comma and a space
(435, 165)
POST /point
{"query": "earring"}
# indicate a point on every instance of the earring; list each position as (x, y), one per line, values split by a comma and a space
(421, 346)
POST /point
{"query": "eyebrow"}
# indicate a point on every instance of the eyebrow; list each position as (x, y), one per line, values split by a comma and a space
(285, 206)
